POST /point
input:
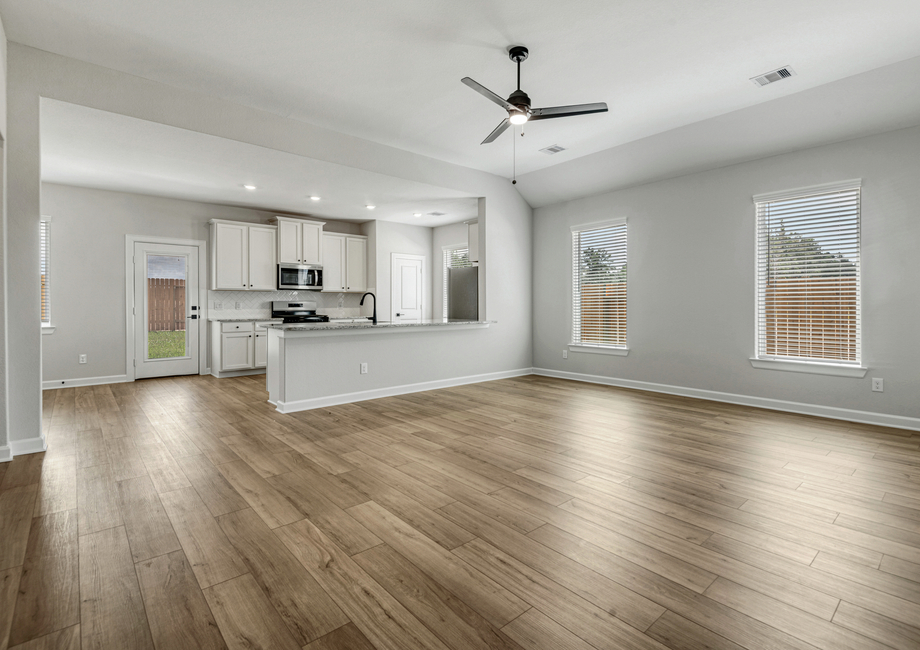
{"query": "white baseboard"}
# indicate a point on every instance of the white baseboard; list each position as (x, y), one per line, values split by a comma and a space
(5, 454)
(347, 398)
(238, 373)
(863, 417)
(85, 381)
(27, 446)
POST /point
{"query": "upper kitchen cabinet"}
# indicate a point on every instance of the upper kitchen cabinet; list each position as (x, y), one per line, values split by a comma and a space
(299, 241)
(243, 256)
(344, 262)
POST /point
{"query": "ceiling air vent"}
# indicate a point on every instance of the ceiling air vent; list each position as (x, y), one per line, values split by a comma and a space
(436, 214)
(553, 149)
(772, 77)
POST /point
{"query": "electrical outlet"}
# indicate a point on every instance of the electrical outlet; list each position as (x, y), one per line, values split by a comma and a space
(565, 354)
(218, 305)
(878, 385)
(82, 358)
(239, 305)
(363, 368)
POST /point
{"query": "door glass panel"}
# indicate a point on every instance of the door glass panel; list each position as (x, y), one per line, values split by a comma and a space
(166, 324)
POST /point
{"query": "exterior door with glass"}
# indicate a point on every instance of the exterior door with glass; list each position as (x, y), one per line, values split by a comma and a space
(166, 310)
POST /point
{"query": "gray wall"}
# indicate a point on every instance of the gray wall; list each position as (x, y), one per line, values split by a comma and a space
(34, 74)
(400, 238)
(4, 424)
(691, 277)
(450, 235)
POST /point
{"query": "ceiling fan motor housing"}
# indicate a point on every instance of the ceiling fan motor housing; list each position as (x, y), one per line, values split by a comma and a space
(520, 99)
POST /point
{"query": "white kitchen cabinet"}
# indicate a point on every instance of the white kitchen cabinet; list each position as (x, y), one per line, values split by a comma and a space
(236, 351)
(333, 262)
(263, 265)
(260, 349)
(355, 264)
(238, 346)
(344, 262)
(299, 241)
(243, 256)
(229, 250)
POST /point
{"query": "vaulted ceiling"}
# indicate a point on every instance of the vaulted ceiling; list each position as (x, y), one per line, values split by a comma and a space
(390, 71)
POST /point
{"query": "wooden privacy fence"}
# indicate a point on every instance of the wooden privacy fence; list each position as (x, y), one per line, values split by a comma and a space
(603, 313)
(811, 316)
(165, 305)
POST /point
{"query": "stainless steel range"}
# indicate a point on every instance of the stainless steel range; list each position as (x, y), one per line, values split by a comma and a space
(297, 312)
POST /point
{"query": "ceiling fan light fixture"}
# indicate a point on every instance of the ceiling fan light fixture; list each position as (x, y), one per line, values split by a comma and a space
(517, 117)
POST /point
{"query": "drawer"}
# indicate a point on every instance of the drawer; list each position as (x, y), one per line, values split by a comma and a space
(236, 327)
(260, 326)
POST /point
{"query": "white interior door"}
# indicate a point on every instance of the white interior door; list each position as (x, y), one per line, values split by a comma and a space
(406, 287)
(166, 310)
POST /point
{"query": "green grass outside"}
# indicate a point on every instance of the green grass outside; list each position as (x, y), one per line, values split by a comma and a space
(165, 345)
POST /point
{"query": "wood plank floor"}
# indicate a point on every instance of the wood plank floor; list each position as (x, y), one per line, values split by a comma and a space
(521, 514)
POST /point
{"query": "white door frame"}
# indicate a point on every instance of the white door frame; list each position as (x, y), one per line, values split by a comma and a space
(202, 246)
(423, 259)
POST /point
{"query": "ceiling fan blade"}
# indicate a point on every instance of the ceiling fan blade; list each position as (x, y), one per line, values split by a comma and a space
(566, 111)
(498, 131)
(488, 94)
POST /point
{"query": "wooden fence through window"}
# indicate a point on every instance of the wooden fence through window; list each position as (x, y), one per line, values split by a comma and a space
(165, 305)
(813, 317)
(603, 313)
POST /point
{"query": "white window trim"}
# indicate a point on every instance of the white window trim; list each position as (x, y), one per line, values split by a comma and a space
(816, 367)
(47, 328)
(615, 351)
(610, 350)
(811, 367)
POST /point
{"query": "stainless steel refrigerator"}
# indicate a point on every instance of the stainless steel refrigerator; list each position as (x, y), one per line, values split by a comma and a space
(463, 293)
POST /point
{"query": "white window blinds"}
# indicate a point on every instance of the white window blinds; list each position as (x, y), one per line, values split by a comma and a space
(599, 285)
(44, 257)
(808, 275)
(454, 258)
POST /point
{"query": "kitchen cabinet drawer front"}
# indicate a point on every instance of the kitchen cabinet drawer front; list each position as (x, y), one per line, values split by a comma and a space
(236, 327)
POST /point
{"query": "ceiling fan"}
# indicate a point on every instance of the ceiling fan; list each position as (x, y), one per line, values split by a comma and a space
(518, 103)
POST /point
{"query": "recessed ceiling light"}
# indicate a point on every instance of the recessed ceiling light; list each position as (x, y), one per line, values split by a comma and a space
(314, 198)
(370, 207)
(417, 214)
(249, 187)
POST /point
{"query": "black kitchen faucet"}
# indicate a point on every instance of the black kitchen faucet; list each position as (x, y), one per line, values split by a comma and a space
(374, 317)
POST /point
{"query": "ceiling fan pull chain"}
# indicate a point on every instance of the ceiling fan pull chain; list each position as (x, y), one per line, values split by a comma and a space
(514, 157)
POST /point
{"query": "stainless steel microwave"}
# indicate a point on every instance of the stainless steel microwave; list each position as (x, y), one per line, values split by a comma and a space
(301, 277)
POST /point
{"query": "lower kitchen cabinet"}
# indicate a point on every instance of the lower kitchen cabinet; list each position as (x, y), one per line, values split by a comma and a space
(238, 346)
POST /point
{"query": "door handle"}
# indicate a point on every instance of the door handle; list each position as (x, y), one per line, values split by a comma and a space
(193, 317)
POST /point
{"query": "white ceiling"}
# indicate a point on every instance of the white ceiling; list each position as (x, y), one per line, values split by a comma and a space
(92, 148)
(390, 71)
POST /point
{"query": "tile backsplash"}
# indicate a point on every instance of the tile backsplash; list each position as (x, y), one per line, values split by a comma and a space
(258, 304)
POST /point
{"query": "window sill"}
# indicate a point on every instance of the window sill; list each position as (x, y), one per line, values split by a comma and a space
(596, 349)
(811, 367)
(47, 329)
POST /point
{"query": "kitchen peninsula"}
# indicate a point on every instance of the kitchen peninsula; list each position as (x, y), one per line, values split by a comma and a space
(322, 364)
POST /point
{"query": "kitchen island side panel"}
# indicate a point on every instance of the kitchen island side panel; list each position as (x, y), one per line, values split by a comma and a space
(314, 368)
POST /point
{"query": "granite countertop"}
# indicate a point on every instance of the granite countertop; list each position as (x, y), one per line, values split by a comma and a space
(218, 319)
(368, 325)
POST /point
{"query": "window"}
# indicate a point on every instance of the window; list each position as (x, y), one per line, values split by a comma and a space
(455, 257)
(44, 259)
(599, 288)
(808, 276)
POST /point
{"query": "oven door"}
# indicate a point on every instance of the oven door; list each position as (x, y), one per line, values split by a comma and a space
(300, 277)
